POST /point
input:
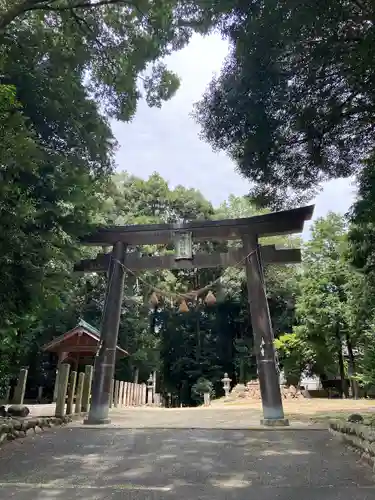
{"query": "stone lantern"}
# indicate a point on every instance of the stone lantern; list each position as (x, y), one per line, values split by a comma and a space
(226, 384)
(150, 387)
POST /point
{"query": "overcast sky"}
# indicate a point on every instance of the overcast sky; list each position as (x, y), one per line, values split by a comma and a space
(167, 140)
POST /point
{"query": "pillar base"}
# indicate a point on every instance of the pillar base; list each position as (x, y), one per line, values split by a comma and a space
(275, 422)
(96, 421)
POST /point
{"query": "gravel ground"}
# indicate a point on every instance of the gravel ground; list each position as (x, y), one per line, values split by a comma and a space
(192, 418)
(117, 463)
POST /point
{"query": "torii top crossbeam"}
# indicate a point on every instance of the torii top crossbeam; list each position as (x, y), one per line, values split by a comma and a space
(273, 224)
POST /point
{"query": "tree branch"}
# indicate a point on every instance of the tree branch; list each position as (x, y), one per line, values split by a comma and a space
(17, 10)
(85, 5)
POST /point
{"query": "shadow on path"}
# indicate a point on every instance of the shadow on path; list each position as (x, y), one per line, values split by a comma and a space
(102, 464)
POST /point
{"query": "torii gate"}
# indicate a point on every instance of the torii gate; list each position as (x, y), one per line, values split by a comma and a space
(249, 230)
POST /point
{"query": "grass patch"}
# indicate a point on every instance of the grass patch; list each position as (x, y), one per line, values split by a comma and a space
(326, 416)
(316, 410)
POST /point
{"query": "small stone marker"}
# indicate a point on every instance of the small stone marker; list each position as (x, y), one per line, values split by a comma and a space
(19, 392)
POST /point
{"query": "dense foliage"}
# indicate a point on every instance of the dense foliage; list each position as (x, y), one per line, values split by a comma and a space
(294, 103)
(66, 67)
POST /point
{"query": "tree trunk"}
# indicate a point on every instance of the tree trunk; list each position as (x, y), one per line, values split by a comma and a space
(242, 370)
(198, 330)
(344, 387)
(354, 383)
(344, 391)
(197, 320)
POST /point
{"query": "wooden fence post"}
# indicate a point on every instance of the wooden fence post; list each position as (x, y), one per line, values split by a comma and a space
(61, 391)
(133, 394)
(144, 394)
(117, 391)
(81, 383)
(71, 393)
(125, 393)
(121, 393)
(87, 389)
(112, 388)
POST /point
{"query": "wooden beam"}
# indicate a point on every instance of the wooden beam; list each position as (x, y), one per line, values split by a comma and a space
(270, 255)
(81, 348)
(276, 223)
(87, 349)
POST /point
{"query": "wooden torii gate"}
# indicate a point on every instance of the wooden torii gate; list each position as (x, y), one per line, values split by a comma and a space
(252, 255)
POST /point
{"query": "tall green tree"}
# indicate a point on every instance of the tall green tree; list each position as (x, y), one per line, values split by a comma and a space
(295, 356)
(325, 301)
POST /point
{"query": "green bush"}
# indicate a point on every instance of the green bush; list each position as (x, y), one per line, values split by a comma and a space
(201, 386)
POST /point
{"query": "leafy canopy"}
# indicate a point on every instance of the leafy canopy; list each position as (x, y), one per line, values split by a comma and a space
(294, 103)
(117, 45)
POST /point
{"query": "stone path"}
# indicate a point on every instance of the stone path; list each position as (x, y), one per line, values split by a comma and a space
(119, 463)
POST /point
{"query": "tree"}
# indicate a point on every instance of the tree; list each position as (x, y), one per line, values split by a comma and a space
(362, 228)
(324, 304)
(55, 155)
(294, 103)
(361, 255)
(201, 387)
(114, 42)
(295, 355)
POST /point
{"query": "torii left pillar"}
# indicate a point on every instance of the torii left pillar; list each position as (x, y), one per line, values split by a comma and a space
(104, 366)
(273, 411)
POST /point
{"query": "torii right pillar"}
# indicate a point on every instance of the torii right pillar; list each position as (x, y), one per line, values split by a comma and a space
(273, 412)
